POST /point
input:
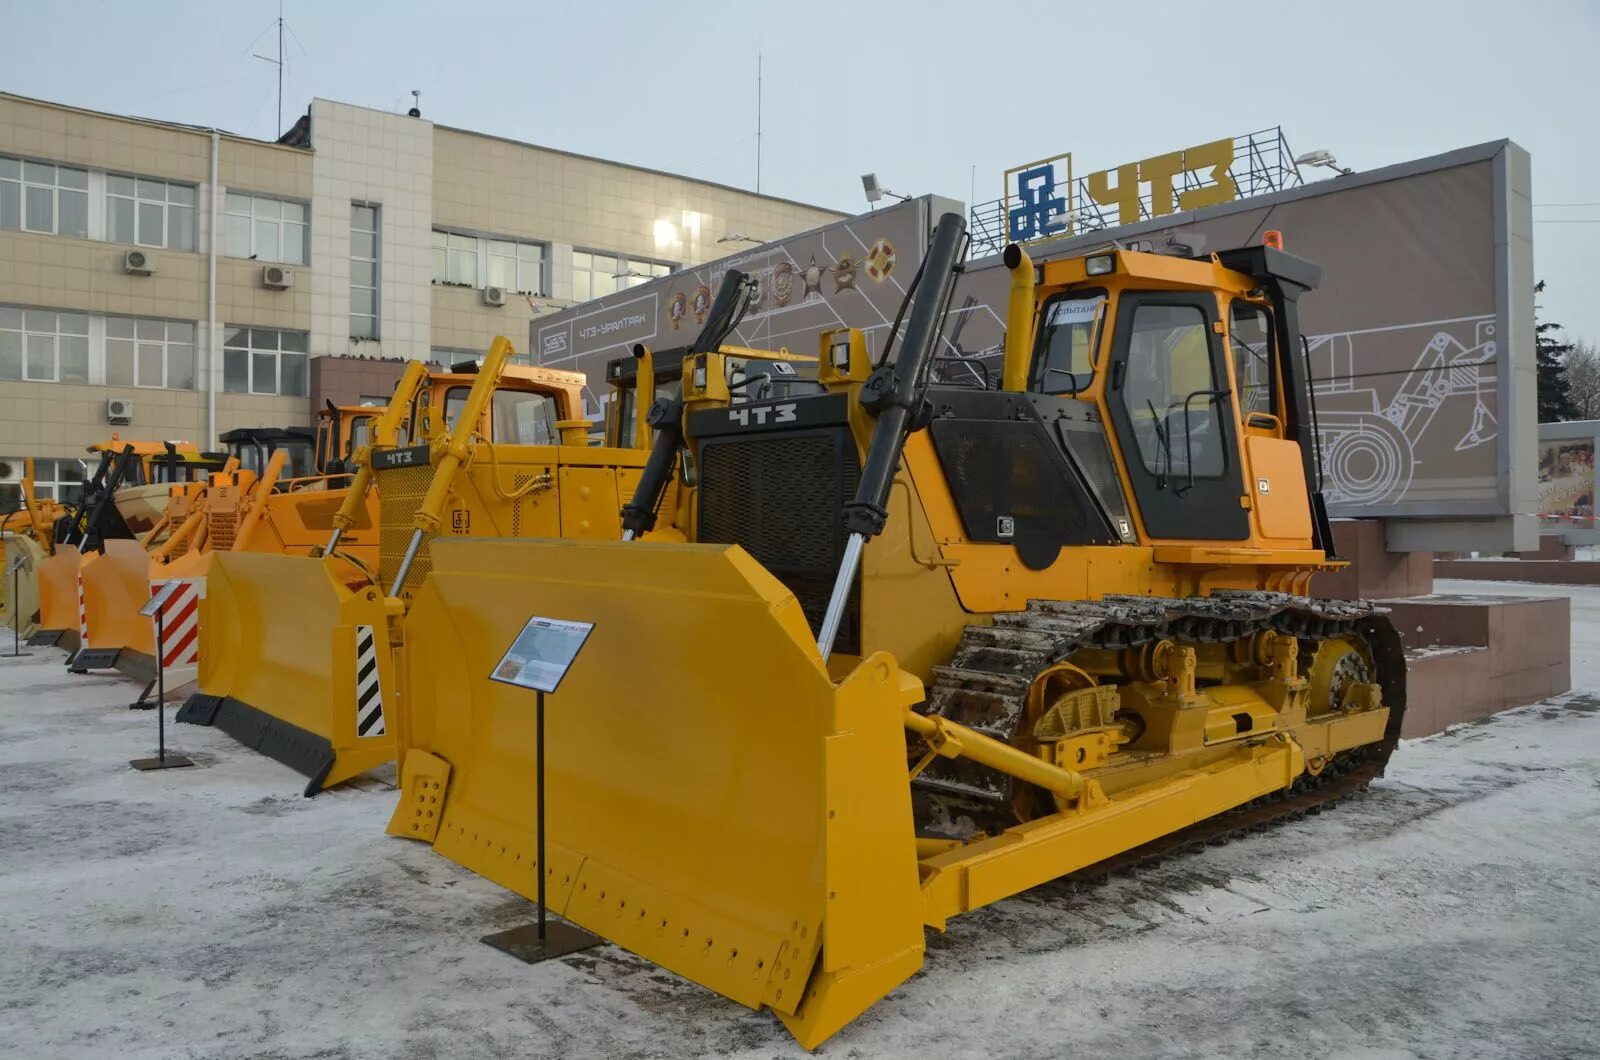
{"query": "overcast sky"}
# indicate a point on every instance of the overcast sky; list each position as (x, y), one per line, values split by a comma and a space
(925, 94)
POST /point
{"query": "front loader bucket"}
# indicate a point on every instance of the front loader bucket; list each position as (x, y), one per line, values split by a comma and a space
(19, 591)
(116, 585)
(716, 803)
(58, 599)
(294, 664)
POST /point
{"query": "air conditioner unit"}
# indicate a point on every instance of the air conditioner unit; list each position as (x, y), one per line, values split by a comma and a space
(11, 470)
(277, 277)
(494, 296)
(138, 262)
(119, 410)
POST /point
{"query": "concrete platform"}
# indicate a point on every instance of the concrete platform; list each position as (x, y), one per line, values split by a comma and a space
(1538, 571)
(1469, 656)
(1374, 573)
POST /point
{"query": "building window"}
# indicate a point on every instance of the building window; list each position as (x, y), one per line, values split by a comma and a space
(150, 213)
(455, 259)
(58, 480)
(510, 264)
(41, 345)
(363, 271)
(265, 229)
(40, 197)
(264, 361)
(149, 353)
(594, 275)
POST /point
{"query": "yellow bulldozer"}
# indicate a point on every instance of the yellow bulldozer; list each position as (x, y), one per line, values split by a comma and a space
(924, 645)
(26, 533)
(296, 656)
(272, 489)
(121, 508)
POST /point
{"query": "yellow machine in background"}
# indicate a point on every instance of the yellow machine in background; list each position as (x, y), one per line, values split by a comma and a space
(124, 501)
(926, 645)
(500, 453)
(275, 490)
(27, 534)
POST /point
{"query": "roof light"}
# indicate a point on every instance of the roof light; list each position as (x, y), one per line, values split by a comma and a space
(699, 373)
(840, 355)
(1100, 264)
(1272, 238)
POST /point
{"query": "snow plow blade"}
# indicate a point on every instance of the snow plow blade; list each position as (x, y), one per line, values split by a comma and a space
(284, 648)
(116, 584)
(58, 600)
(717, 803)
(19, 591)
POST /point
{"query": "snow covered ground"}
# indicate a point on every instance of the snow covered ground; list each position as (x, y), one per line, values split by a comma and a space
(1453, 911)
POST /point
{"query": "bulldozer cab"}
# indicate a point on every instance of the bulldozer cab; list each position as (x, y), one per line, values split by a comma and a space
(751, 375)
(341, 430)
(1194, 372)
(254, 447)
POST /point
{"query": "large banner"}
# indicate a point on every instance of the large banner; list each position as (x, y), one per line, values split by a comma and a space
(851, 273)
(1421, 335)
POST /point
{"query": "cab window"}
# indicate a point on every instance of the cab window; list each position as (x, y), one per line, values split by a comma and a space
(301, 460)
(360, 434)
(1170, 392)
(1250, 343)
(522, 418)
(1069, 329)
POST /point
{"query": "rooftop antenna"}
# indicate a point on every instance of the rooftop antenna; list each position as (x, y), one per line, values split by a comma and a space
(278, 62)
(758, 123)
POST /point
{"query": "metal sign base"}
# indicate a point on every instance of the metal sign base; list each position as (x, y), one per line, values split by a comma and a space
(15, 654)
(169, 762)
(560, 939)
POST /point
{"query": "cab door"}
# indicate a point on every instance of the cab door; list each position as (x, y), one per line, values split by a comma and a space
(1169, 402)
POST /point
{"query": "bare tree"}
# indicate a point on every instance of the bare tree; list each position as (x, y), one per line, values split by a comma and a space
(1583, 380)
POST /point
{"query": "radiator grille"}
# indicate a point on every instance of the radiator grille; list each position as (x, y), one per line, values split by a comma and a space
(782, 497)
(221, 527)
(400, 493)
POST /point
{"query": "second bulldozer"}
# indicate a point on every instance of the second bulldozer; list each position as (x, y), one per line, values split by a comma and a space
(925, 645)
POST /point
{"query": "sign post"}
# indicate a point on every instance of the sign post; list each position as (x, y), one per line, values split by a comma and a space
(162, 759)
(538, 659)
(15, 570)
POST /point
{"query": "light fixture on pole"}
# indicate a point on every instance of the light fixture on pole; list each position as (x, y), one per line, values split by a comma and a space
(1324, 158)
(876, 191)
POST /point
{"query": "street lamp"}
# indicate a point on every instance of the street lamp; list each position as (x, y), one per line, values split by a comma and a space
(876, 191)
(1324, 158)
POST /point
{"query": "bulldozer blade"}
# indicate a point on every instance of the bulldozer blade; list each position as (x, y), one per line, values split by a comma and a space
(116, 584)
(294, 664)
(716, 802)
(19, 591)
(59, 616)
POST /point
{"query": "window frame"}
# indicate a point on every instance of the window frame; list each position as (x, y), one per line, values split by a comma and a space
(23, 182)
(25, 331)
(619, 279)
(1241, 387)
(483, 256)
(167, 343)
(376, 315)
(251, 351)
(253, 251)
(166, 203)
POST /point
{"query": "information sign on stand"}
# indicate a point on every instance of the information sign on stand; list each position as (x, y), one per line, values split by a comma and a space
(153, 609)
(538, 659)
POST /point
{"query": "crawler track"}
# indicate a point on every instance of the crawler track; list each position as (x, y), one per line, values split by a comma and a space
(986, 684)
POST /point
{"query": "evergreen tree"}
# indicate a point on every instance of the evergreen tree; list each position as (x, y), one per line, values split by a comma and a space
(1550, 354)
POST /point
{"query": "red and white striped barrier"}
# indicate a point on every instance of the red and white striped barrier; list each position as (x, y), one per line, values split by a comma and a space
(83, 615)
(180, 628)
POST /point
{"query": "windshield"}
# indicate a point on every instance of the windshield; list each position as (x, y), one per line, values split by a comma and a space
(1068, 333)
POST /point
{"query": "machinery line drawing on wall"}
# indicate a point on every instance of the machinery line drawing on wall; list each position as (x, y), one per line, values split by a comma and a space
(1378, 429)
